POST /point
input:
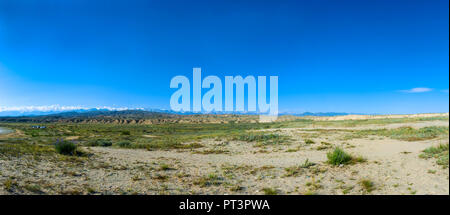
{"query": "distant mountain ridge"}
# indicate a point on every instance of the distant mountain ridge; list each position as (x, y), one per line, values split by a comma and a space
(95, 115)
(19, 113)
(100, 111)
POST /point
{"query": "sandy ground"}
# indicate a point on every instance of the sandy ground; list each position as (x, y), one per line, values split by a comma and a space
(234, 167)
(394, 116)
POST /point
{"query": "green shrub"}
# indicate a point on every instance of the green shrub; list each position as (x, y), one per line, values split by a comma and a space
(439, 152)
(292, 171)
(165, 167)
(309, 141)
(269, 191)
(101, 142)
(368, 185)
(33, 188)
(209, 180)
(66, 147)
(436, 150)
(338, 156)
(359, 159)
(126, 133)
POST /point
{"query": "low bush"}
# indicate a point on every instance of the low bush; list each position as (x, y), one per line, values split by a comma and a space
(368, 185)
(126, 133)
(309, 141)
(101, 142)
(439, 152)
(270, 191)
(66, 147)
(338, 156)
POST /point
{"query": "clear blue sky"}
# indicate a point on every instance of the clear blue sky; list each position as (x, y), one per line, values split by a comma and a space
(341, 56)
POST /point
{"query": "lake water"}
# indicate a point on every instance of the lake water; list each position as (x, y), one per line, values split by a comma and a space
(5, 131)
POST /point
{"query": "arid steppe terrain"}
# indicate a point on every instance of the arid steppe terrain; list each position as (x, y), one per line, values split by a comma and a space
(342, 155)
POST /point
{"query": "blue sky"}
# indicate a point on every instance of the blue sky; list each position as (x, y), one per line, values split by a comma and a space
(340, 56)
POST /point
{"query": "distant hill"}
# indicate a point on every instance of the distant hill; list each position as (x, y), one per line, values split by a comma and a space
(146, 117)
(321, 114)
(130, 117)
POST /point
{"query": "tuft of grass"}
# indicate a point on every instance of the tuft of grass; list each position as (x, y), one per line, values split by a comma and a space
(161, 177)
(346, 190)
(165, 167)
(66, 147)
(368, 185)
(432, 171)
(211, 179)
(313, 186)
(34, 188)
(9, 185)
(309, 141)
(236, 188)
(307, 164)
(310, 193)
(292, 171)
(436, 150)
(358, 159)
(324, 145)
(91, 190)
(136, 178)
(440, 152)
(296, 170)
(212, 151)
(270, 191)
(293, 150)
(338, 157)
